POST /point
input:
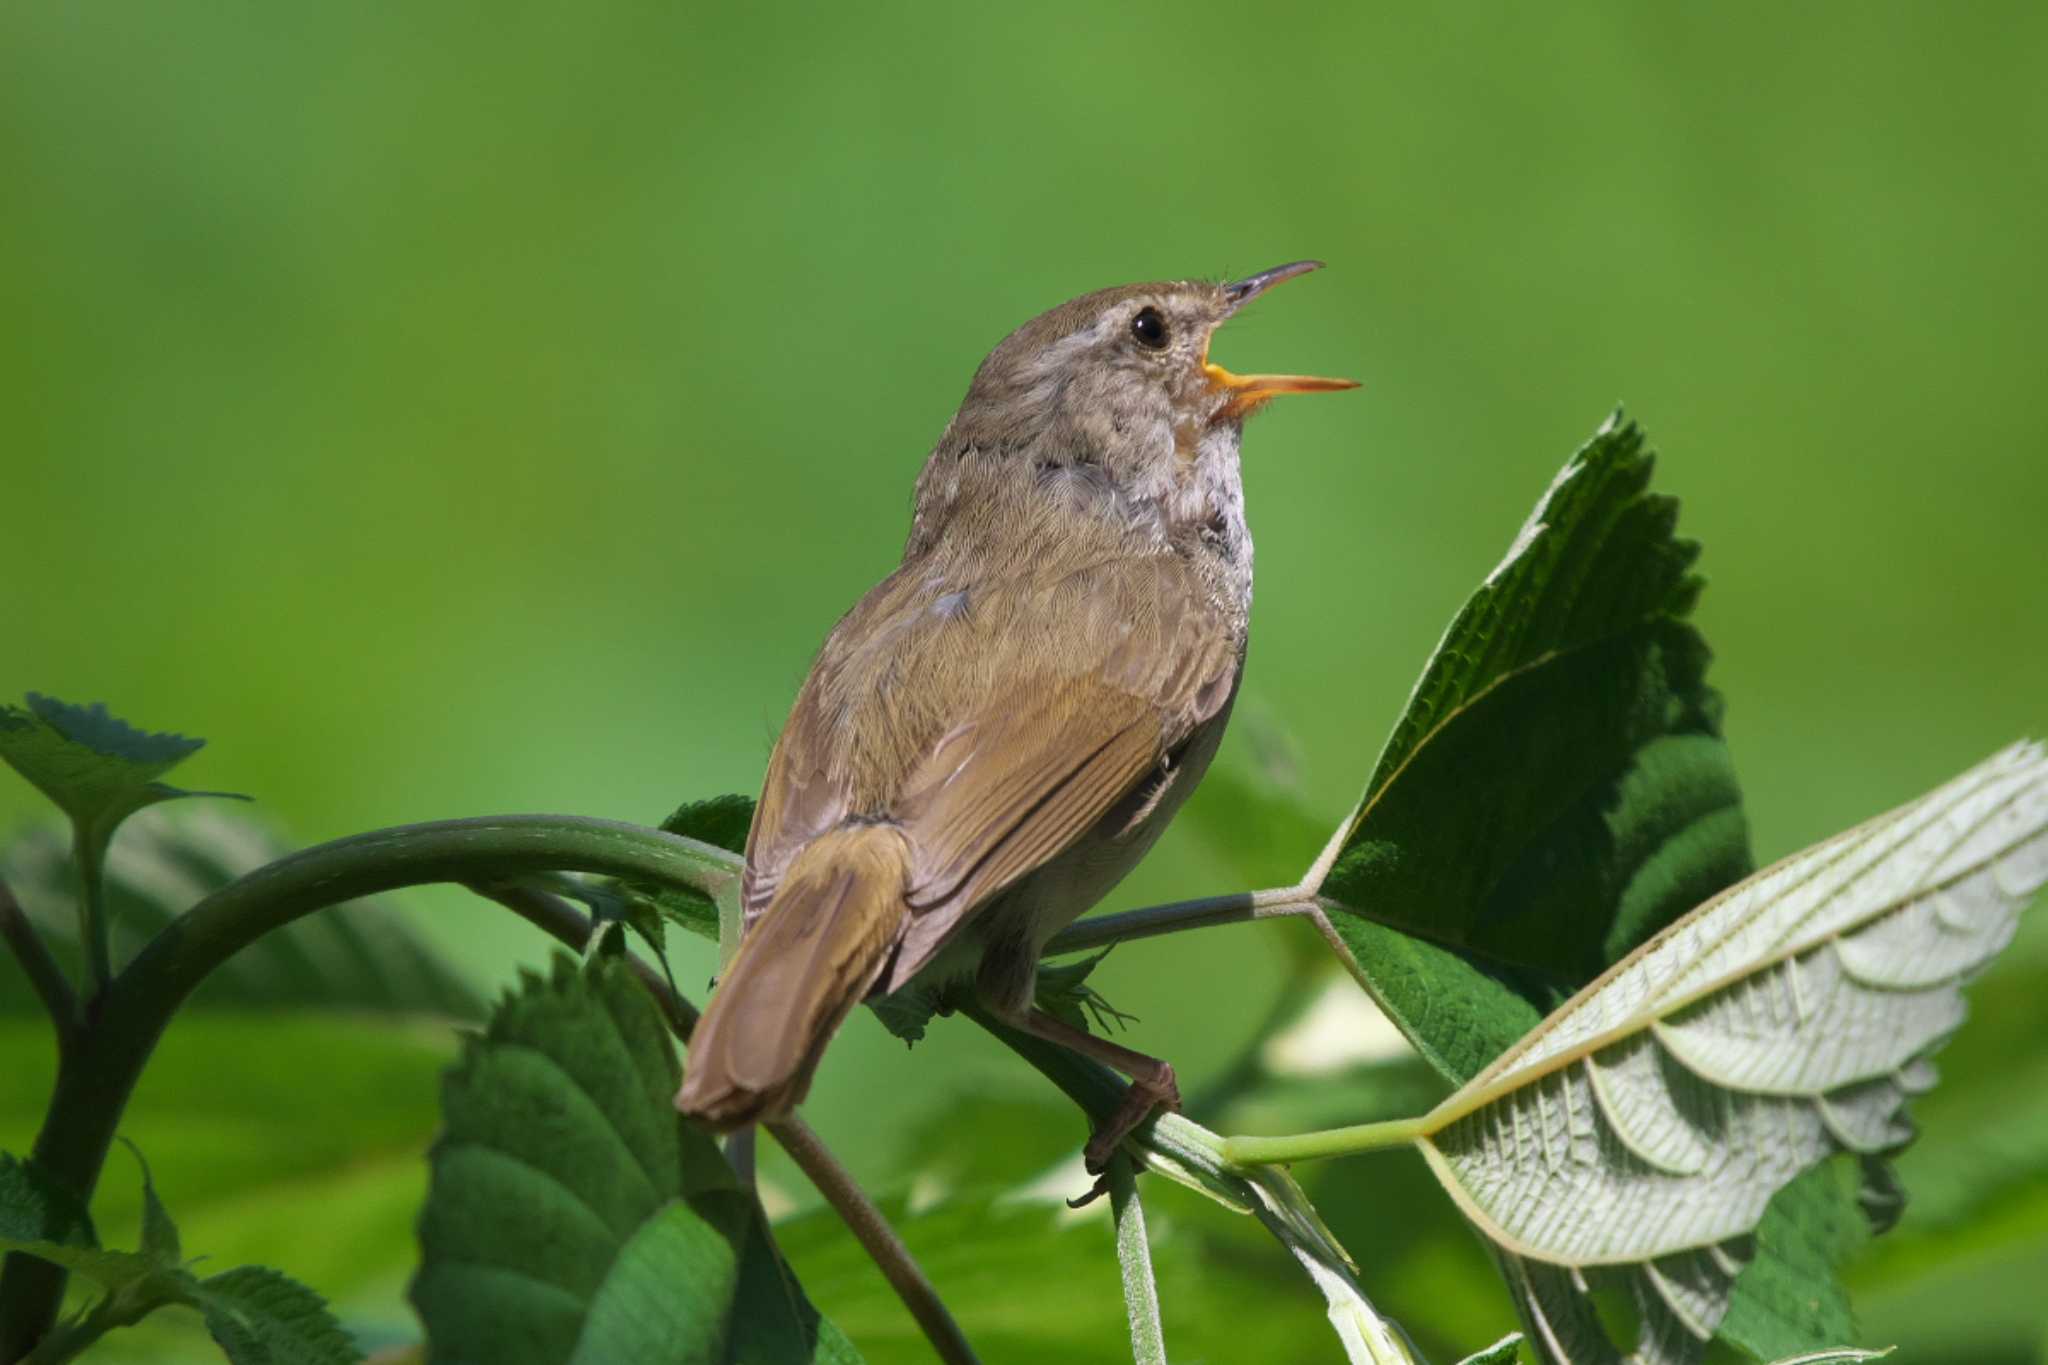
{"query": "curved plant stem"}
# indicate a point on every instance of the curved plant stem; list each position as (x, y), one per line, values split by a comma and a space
(1134, 1254)
(571, 926)
(44, 975)
(96, 1076)
(1168, 919)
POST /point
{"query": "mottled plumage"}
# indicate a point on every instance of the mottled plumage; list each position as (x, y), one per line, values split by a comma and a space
(1002, 727)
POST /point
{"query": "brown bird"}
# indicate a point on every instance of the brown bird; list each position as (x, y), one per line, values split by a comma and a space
(996, 733)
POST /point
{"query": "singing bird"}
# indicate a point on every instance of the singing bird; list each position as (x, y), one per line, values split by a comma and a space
(993, 736)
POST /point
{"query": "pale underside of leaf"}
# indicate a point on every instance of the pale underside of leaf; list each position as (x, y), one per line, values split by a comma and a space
(1644, 1127)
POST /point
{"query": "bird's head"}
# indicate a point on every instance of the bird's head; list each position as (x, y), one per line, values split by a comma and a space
(1124, 374)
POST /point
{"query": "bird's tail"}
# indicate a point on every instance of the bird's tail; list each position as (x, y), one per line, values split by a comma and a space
(807, 961)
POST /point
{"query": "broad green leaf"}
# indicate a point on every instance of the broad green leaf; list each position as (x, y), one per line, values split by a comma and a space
(1557, 789)
(1639, 1133)
(1790, 1296)
(262, 1317)
(575, 1217)
(359, 956)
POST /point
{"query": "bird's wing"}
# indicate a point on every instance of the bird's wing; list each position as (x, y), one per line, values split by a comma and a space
(993, 724)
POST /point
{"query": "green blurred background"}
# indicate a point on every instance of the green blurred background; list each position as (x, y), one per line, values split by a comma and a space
(452, 409)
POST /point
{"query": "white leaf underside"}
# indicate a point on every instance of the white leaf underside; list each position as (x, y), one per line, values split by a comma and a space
(1642, 1128)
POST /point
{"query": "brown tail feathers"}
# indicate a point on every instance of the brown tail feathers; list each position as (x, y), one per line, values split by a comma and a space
(807, 961)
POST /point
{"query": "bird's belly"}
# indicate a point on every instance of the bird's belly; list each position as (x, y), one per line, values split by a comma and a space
(1000, 942)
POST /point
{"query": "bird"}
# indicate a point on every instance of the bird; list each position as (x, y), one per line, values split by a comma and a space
(1002, 727)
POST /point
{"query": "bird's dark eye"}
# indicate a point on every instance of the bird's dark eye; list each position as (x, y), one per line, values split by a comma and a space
(1149, 327)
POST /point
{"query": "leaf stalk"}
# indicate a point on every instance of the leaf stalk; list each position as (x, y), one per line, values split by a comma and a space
(45, 977)
(1134, 1254)
(1361, 1137)
(1238, 908)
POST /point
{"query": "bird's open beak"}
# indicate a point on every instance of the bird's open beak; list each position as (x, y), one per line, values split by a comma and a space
(1249, 391)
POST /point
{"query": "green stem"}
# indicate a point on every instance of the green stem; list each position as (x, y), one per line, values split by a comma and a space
(1153, 920)
(45, 977)
(1134, 1254)
(96, 1077)
(69, 1342)
(89, 855)
(1361, 1137)
(1171, 1146)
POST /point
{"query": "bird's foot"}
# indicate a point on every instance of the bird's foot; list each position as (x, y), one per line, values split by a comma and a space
(1157, 1091)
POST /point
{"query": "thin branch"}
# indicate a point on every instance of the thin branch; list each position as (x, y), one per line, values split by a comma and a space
(1153, 920)
(859, 1213)
(47, 978)
(571, 926)
(1134, 1254)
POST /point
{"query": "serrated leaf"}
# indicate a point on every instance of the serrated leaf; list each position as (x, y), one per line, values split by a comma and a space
(97, 768)
(907, 1013)
(261, 1316)
(1556, 789)
(35, 1208)
(1789, 1298)
(722, 822)
(362, 955)
(575, 1217)
(159, 1233)
(1506, 1351)
(1638, 1134)
(38, 1218)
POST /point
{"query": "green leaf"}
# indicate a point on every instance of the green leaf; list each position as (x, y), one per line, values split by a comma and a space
(907, 1012)
(1556, 792)
(159, 1233)
(263, 1317)
(573, 1215)
(1789, 1299)
(1642, 1131)
(40, 1218)
(1557, 788)
(1064, 993)
(1506, 1351)
(722, 822)
(35, 1208)
(359, 956)
(326, 1115)
(96, 767)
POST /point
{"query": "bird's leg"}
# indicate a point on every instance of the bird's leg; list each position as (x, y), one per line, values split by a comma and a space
(1152, 1082)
